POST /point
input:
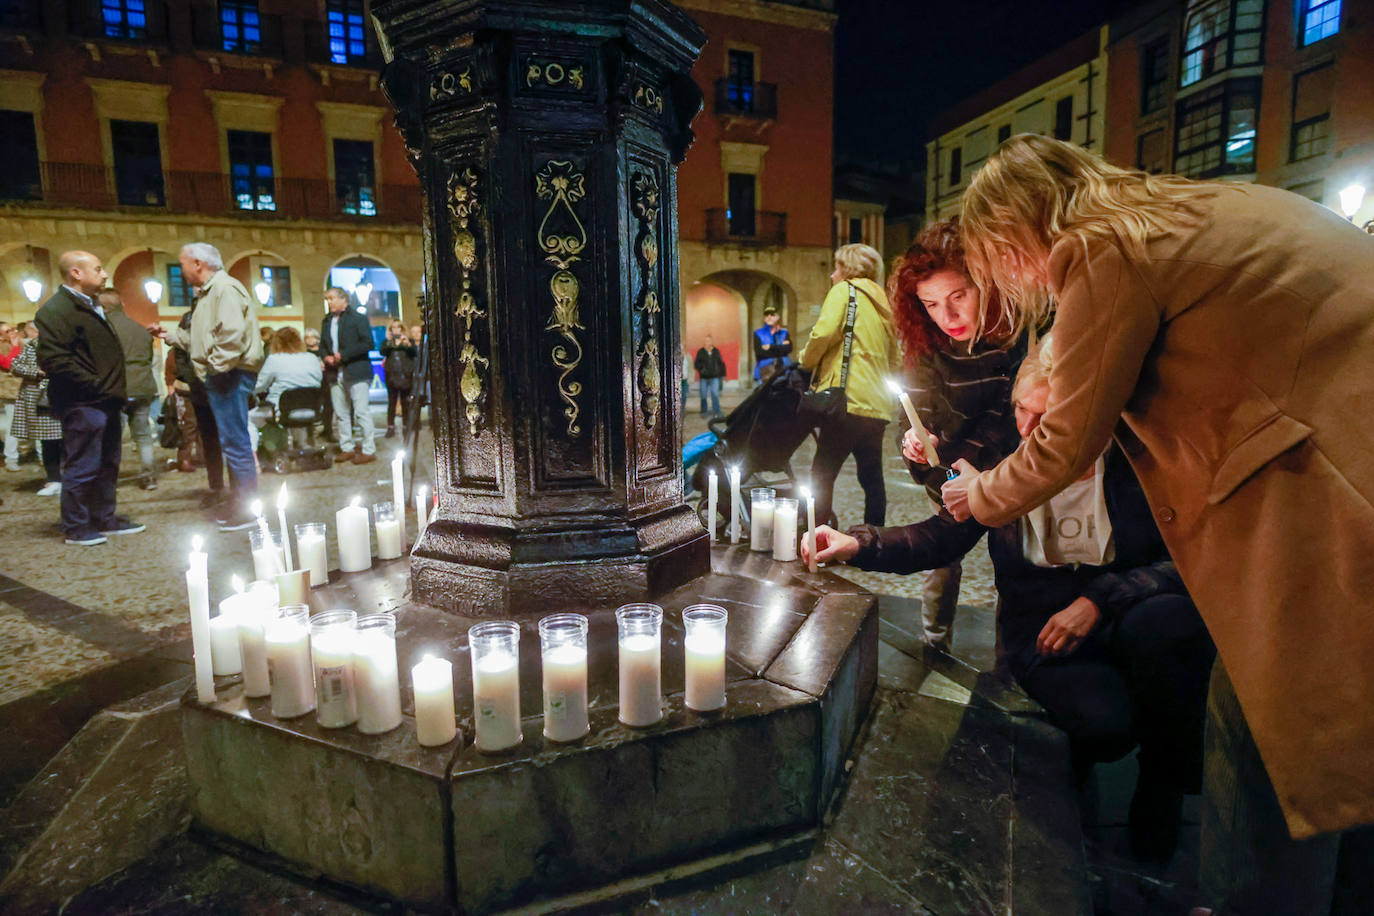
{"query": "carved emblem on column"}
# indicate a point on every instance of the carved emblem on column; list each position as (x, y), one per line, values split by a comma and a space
(644, 203)
(562, 237)
(554, 74)
(464, 206)
(648, 98)
(447, 85)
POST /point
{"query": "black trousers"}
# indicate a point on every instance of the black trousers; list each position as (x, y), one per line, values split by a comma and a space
(51, 450)
(394, 395)
(209, 440)
(861, 437)
(91, 437)
(1138, 679)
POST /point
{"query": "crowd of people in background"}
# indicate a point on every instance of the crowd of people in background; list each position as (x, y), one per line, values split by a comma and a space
(82, 372)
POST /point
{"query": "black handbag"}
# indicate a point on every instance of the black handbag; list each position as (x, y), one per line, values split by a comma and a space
(821, 407)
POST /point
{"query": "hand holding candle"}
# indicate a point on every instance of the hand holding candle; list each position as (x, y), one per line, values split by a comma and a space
(927, 441)
(810, 530)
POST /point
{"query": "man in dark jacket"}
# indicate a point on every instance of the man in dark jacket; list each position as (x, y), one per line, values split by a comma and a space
(85, 364)
(710, 368)
(345, 341)
(140, 388)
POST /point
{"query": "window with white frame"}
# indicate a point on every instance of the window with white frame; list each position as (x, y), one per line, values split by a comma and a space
(1219, 34)
(1320, 19)
(1217, 130)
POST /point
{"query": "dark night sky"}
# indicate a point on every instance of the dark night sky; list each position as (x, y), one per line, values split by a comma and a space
(899, 63)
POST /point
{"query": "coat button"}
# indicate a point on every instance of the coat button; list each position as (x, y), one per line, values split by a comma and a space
(1166, 514)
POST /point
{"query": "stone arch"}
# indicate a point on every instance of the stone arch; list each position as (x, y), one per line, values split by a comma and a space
(130, 267)
(386, 299)
(753, 291)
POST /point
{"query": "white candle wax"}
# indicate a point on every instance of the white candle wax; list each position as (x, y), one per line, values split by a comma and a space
(224, 637)
(315, 558)
(761, 526)
(268, 562)
(248, 611)
(289, 668)
(785, 532)
(927, 440)
(336, 698)
(398, 493)
(811, 530)
(565, 693)
(496, 701)
(711, 505)
(734, 506)
(388, 539)
(432, 683)
(285, 540)
(378, 682)
(705, 660)
(641, 695)
(198, 596)
(355, 547)
(421, 517)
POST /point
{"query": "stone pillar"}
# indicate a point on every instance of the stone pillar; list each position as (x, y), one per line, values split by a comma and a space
(546, 136)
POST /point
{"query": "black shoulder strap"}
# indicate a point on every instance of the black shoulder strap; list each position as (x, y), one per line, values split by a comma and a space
(849, 317)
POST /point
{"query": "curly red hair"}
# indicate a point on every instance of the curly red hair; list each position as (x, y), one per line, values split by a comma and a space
(937, 247)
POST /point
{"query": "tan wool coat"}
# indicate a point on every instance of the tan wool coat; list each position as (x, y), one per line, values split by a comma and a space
(1240, 355)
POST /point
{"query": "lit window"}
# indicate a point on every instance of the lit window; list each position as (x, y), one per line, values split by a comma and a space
(126, 18)
(250, 169)
(354, 177)
(347, 35)
(278, 280)
(178, 293)
(1320, 19)
(1217, 130)
(1218, 34)
(240, 26)
(739, 86)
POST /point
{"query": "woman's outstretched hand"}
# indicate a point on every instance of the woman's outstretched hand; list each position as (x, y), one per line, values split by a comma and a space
(831, 546)
(954, 493)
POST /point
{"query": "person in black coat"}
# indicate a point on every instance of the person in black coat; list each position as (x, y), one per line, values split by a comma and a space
(398, 365)
(710, 366)
(84, 361)
(345, 341)
(1094, 621)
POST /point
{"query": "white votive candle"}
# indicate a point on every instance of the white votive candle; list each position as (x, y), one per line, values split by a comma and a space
(496, 684)
(785, 529)
(563, 644)
(332, 637)
(704, 649)
(761, 500)
(376, 675)
(254, 609)
(224, 634)
(390, 538)
(268, 559)
(355, 544)
(314, 553)
(431, 681)
(641, 679)
(287, 637)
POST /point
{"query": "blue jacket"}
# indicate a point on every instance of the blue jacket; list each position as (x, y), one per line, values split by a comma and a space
(779, 345)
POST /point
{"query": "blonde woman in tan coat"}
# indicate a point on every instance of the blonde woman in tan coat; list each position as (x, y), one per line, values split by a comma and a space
(1225, 333)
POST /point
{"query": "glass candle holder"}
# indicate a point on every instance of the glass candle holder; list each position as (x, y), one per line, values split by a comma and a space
(495, 684)
(563, 649)
(313, 551)
(704, 646)
(255, 614)
(390, 535)
(332, 637)
(641, 676)
(761, 518)
(785, 529)
(289, 667)
(431, 681)
(268, 559)
(224, 633)
(376, 674)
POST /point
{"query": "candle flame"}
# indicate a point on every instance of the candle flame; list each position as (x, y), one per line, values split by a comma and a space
(237, 583)
(356, 501)
(895, 388)
(197, 542)
(281, 497)
(255, 507)
(712, 472)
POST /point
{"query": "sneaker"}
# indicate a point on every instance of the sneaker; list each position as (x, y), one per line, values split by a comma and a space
(89, 540)
(147, 483)
(390, 432)
(213, 498)
(12, 466)
(364, 458)
(52, 488)
(241, 520)
(122, 525)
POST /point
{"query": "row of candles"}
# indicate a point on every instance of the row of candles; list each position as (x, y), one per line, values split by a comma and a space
(344, 667)
(772, 519)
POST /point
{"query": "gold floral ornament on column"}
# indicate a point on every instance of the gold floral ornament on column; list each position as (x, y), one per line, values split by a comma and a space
(644, 189)
(562, 237)
(464, 206)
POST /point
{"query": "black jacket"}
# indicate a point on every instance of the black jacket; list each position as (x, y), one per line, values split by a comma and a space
(709, 363)
(355, 342)
(1030, 595)
(398, 362)
(81, 354)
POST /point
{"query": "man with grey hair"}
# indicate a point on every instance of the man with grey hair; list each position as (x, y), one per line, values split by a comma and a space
(226, 353)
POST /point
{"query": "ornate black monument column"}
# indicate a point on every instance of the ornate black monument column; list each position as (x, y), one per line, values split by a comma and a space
(546, 136)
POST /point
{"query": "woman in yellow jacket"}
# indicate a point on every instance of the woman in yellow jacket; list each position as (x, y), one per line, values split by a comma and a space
(874, 353)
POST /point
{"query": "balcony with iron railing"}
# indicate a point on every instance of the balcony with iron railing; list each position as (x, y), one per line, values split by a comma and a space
(746, 100)
(750, 228)
(65, 185)
(249, 33)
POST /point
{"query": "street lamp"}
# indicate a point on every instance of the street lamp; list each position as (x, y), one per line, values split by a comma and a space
(363, 292)
(33, 289)
(153, 290)
(1352, 196)
(263, 290)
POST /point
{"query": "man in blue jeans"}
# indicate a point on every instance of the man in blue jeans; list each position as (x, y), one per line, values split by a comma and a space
(226, 353)
(710, 366)
(84, 361)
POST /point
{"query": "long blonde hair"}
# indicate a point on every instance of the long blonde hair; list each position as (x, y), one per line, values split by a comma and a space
(1034, 191)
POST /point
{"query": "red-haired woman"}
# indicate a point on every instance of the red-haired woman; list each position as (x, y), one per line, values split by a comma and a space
(961, 389)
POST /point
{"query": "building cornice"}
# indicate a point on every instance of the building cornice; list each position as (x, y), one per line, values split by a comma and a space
(764, 11)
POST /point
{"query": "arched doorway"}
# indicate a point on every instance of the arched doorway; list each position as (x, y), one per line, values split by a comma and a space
(371, 284)
(729, 305)
(148, 280)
